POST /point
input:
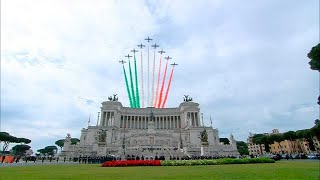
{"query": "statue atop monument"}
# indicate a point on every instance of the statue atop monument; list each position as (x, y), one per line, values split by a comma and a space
(186, 98)
(68, 136)
(114, 98)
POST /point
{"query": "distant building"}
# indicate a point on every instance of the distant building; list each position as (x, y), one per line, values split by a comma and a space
(284, 147)
(255, 149)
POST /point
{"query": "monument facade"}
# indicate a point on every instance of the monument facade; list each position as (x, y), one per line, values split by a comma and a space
(149, 132)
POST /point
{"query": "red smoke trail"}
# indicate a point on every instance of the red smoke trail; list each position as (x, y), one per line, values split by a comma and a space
(166, 97)
(157, 93)
(163, 80)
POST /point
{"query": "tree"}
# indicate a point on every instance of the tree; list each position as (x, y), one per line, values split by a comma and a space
(23, 140)
(276, 138)
(265, 139)
(307, 134)
(20, 149)
(242, 148)
(42, 151)
(315, 130)
(50, 150)
(299, 134)
(60, 143)
(256, 139)
(314, 63)
(290, 135)
(74, 141)
(7, 139)
(224, 140)
(262, 139)
(314, 55)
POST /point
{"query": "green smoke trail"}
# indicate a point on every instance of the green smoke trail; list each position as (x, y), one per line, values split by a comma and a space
(132, 88)
(137, 89)
(127, 85)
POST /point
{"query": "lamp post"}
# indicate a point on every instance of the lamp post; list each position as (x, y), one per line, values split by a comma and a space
(123, 144)
(181, 144)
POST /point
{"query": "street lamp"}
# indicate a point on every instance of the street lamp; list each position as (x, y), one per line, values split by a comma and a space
(124, 146)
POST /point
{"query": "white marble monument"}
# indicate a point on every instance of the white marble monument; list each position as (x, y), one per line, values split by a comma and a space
(149, 132)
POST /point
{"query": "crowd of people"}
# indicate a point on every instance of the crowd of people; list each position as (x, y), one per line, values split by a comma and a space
(102, 159)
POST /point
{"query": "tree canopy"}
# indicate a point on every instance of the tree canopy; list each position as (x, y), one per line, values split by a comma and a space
(74, 140)
(224, 140)
(262, 139)
(42, 151)
(60, 143)
(314, 55)
(20, 149)
(50, 149)
(7, 138)
(290, 135)
(242, 148)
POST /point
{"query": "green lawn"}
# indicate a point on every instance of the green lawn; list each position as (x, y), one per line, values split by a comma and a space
(279, 170)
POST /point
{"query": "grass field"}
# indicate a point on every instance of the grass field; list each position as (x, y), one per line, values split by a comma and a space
(279, 170)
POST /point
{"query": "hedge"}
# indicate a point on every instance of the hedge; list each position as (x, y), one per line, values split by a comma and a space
(186, 162)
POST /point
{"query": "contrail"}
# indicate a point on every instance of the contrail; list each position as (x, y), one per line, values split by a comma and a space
(132, 87)
(127, 85)
(142, 88)
(167, 92)
(137, 99)
(136, 78)
(158, 82)
(148, 87)
(148, 94)
(142, 92)
(163, 80)
(153, 71)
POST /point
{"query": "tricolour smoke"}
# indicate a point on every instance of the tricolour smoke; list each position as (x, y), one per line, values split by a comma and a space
(168, 88)
(163, 80)
(127, 85)
(158, 82)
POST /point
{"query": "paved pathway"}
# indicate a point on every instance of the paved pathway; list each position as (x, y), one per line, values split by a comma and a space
(39, 163)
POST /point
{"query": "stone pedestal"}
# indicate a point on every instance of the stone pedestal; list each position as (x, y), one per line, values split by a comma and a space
(204, 148)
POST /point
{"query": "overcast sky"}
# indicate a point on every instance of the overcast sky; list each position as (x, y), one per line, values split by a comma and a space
(244, 62)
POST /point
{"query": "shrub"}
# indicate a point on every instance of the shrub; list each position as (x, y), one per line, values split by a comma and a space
(215, 162)
(131, 163)
(185, 162)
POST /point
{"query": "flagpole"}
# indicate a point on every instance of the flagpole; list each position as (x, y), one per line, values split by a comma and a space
(89, 120)
(202, 119)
